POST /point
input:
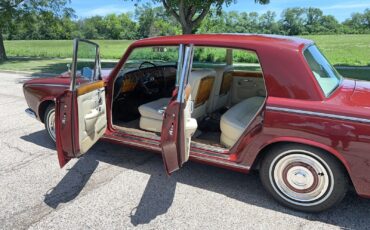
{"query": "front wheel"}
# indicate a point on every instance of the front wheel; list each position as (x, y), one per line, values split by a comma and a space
(50, 121)
(303, 178)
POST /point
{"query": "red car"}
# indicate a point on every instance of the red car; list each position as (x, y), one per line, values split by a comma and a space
(241, 102)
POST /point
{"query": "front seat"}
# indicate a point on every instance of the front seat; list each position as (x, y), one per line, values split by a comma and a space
(235, 120)
(152, 114)
(201, 82)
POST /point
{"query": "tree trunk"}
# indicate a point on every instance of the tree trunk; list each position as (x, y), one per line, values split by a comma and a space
(187, 29)
(2, 48)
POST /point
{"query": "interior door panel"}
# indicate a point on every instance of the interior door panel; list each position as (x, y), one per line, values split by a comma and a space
(246, 86)
(92, 117)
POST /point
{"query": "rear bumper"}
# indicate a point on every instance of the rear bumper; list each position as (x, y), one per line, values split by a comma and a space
(31, 113)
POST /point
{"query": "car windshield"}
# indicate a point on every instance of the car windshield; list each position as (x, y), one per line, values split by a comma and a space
(325, 74)
(152, 56)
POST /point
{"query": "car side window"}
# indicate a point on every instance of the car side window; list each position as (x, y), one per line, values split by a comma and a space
(86, 65)
(325, 74)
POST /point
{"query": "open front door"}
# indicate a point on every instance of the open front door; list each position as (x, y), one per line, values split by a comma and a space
(178, 126)
(81, 110)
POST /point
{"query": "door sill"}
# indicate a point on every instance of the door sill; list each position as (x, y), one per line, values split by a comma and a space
(155, 138)
(199, 152)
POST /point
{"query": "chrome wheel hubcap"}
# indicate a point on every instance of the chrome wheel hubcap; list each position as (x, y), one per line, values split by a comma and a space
(301, 178)
(51, 124)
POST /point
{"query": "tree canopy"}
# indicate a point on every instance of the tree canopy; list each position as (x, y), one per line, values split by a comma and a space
(12, 11)
(190, 14)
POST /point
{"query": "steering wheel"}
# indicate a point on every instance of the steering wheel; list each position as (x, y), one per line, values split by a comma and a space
(147, 62)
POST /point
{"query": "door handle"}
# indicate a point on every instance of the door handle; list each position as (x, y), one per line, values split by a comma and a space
(64, 119)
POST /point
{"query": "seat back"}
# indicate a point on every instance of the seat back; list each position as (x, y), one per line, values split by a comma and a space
(201, 82)
(220, 95)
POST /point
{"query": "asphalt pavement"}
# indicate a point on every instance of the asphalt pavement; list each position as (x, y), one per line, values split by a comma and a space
(114, 187)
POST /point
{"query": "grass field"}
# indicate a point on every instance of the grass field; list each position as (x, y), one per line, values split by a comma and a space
(352, 50)
(109, 49)
(52, 56)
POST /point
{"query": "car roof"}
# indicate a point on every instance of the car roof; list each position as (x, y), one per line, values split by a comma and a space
(287, 42)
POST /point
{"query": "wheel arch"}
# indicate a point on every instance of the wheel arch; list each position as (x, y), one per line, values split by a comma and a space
(283, 141)
(42, 108)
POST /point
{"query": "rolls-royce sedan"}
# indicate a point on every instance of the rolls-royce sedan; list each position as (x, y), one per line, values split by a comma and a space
(242, 102)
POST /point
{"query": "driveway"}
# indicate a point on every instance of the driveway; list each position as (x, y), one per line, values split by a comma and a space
(114, 187)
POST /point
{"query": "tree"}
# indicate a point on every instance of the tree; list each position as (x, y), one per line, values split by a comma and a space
(313, 20)
(190, 13)
(268, 23)
(292, 21)
(16, 9)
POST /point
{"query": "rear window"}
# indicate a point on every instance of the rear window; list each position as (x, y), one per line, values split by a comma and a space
(325, 74)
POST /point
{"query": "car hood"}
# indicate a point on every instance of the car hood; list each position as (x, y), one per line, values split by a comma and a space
(361, 94)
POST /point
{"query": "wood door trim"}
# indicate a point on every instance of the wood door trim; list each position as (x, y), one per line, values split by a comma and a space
(86, 88)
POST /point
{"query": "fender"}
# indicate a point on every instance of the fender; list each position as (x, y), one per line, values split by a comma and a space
(304, 141)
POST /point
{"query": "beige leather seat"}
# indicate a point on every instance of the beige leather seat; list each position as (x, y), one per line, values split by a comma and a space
(201, 82)
(152, 114)
(220, 95)
(235, 120)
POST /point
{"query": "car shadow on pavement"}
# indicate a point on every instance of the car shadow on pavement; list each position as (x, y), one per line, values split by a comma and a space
(72, 183)
(40, 138)
(353, 212)
(156, 199)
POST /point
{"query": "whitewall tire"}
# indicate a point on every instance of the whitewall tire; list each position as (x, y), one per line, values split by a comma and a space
(303, 177)
(50, 121)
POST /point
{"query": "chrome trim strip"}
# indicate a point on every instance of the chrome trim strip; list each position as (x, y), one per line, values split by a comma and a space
(31, 113)
(226, 163)
(319, 114)
(52, 85)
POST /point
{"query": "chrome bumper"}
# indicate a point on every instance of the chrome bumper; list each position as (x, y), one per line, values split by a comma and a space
(31, 113)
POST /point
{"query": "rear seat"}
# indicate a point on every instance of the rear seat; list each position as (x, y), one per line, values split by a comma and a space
(220, 95)
(235, 120)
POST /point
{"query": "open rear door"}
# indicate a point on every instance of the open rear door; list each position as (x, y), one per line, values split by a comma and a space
(178, 126)
(81, 118)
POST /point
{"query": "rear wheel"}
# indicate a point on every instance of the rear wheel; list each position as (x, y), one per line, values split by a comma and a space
(50, 121)
(303, 178)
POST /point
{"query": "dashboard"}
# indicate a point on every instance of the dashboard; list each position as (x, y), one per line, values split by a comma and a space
(148, 79)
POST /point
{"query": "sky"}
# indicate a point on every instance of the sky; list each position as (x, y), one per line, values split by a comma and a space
(341, 9)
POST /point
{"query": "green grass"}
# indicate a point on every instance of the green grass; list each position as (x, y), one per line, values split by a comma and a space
(349, 50)
(109, 49)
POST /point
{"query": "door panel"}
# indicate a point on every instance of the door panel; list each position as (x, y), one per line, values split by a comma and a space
(178, 126)
(81, 118)
(246, 85)
(65, 141)
(92, 117)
